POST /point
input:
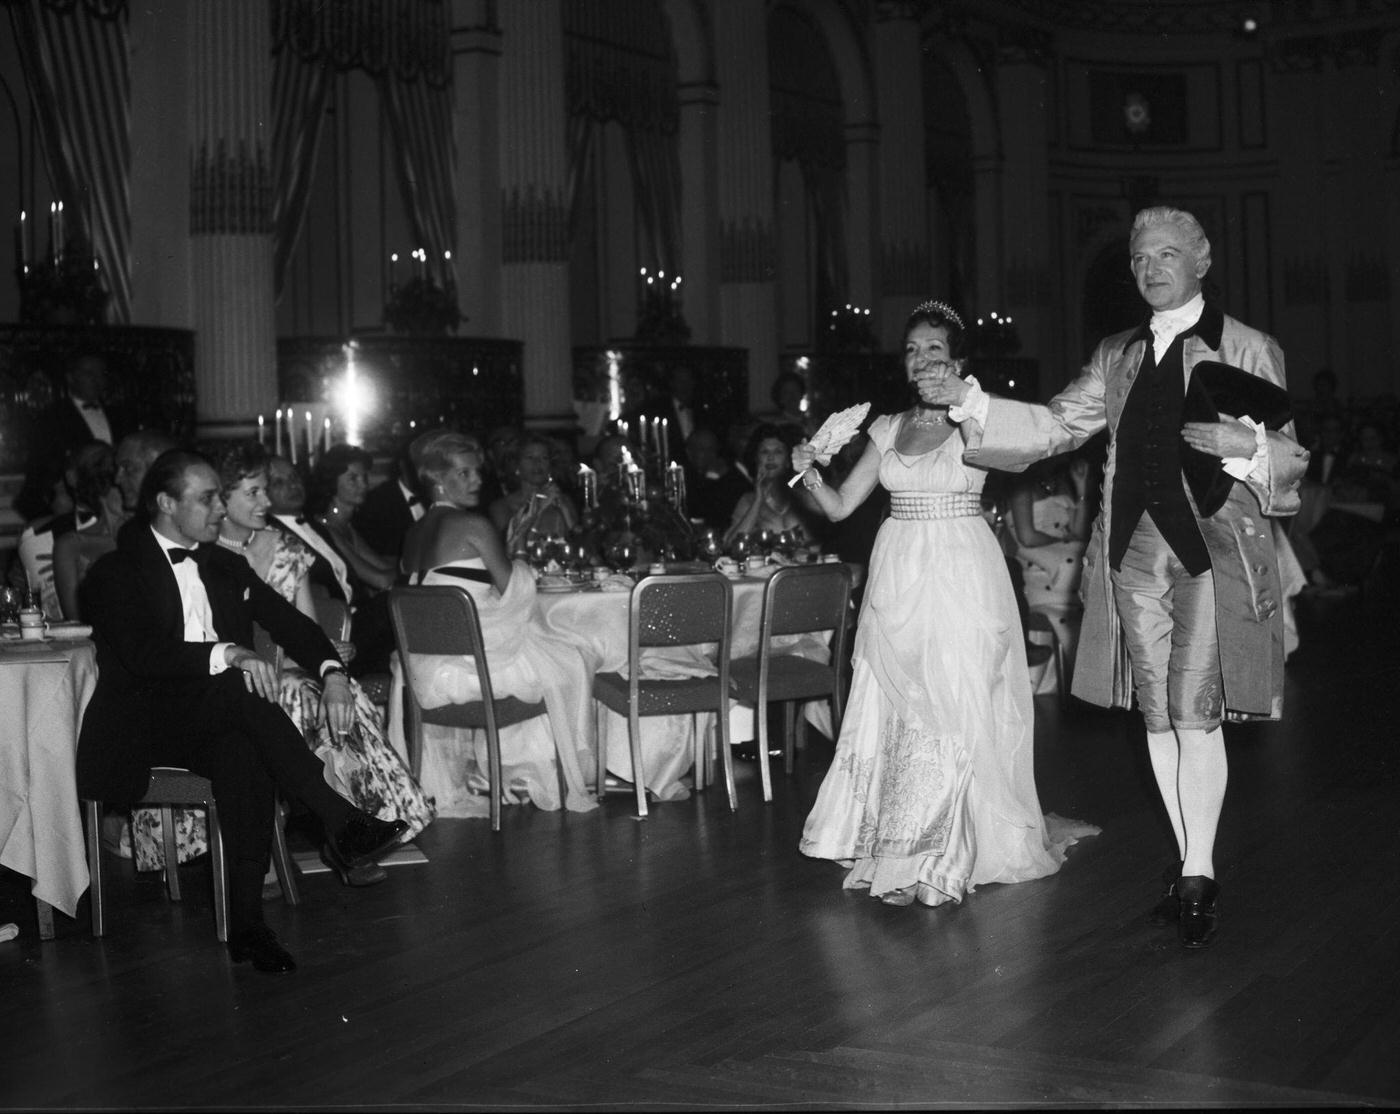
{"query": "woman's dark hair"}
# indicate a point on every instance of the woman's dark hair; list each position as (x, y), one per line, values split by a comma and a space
(239, 461)
(333, 464)
(935, 314)
(167, 474)
(784, 379)
(788, 435)
(94, 472)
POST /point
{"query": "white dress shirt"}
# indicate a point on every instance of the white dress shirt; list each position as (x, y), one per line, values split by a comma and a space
(415, 504)
(194, 603)
(1166, 325)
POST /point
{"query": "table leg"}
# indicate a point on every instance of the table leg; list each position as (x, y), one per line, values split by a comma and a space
(45, 911)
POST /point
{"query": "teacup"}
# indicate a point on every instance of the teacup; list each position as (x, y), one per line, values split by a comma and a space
(755, 562)
(32, 624)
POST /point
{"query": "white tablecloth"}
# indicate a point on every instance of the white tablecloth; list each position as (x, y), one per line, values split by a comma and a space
(44, 689)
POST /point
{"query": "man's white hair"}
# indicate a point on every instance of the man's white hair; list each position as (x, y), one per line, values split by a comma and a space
(1190, 228)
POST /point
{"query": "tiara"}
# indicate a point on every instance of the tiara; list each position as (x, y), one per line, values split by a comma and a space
(943, 309)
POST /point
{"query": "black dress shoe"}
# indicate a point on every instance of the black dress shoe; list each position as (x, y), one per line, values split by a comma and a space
(1168, 910)
(260, 945)
(365, 838)
(366, 874)
(1199, 920)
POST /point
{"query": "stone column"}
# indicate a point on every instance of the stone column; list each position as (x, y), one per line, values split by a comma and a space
(231, 215)
(748, 306)
(904, 264)
(534, 214)
(160, 164)
(476, 78)
(862, 187)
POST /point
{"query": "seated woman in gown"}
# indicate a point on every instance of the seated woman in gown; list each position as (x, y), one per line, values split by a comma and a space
(931, 791)
(1049, 513)
(361, 766)
(537, 505)
(454, 544)
(771, 505)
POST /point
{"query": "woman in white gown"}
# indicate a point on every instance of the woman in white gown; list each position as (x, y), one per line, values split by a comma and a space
(931, 791)
(542, 759)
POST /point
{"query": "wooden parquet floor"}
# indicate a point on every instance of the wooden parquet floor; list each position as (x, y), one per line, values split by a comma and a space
(698, 961)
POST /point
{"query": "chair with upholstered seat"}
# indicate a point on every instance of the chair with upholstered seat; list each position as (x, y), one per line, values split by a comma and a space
(669, 611)
(442, 619)
(802, 599)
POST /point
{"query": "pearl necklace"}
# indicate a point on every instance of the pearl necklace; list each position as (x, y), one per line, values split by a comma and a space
(237, 547)
(935, 418)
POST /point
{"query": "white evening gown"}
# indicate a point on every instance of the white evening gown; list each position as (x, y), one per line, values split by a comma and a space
(543, 759)
(932, 785)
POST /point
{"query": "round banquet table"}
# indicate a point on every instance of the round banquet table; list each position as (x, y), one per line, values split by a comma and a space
(44, 689)
(596, 621)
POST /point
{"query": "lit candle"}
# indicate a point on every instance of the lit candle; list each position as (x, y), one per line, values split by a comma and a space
(310, 441)
(277, 432)
(663, 444)
(22, 234)
(622, 429)
(588, 484)
(422, 263)
(393, 270)
(644, 443)
(291, 436)
(262, 432)
(53, 232)
(326, 433)
(58, 248)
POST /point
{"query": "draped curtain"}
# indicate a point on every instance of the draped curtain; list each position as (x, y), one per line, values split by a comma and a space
(622, 68)
(403, 45)
(74, 57)
(299, 93)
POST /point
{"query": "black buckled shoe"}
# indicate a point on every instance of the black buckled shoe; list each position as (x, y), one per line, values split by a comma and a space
(1168, 910)
(1199, 920)
(364, 839)
(259, 944)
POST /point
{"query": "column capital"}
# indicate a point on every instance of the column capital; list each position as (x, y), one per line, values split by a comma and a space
(474, 40)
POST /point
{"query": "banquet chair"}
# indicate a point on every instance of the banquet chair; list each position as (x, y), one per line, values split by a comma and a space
(169, 786)
(671, 611)
(798, 600)
(442, 619)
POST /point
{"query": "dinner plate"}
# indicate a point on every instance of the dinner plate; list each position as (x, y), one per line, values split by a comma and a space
(557, 589)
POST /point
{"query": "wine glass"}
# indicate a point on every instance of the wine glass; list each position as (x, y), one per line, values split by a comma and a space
(740, 548)
(622, 555)
(765, 542)
(707, 546)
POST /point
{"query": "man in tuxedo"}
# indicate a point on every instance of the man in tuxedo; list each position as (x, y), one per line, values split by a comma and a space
(1183, 604)
(391, 507)
(180, 685)
(68, 424)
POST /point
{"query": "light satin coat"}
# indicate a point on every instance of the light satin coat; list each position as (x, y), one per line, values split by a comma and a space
(1248, 596)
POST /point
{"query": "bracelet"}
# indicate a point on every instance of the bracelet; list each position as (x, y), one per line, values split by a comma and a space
(812, 479)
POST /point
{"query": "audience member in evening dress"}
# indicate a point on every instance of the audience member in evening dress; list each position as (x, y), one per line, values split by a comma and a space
(537, 505)
(931, 791)
(98, 505)
(391, 507)
(453, 544)
(771, 505)
(713, 485)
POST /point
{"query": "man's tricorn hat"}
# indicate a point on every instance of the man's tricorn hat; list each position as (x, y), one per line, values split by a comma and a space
(1215, 391)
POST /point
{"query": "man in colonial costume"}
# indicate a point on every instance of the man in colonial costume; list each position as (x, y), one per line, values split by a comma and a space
(1182, 600)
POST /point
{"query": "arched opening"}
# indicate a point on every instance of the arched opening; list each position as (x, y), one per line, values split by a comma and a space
(948, 152)
(1111, 300)
(809, 158)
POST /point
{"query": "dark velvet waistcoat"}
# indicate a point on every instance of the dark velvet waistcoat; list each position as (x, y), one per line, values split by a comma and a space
(1148, 467)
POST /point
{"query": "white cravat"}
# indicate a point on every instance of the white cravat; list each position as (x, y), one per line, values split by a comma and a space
(1168, 324)
(194, 602)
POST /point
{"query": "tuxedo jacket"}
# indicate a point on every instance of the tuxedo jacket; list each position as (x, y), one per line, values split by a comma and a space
(384, 518)
(133, 602)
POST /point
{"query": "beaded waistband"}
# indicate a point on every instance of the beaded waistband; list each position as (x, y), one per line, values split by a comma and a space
(944, 504)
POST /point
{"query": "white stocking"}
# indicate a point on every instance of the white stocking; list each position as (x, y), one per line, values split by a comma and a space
(1165, 751)
(1201, 788)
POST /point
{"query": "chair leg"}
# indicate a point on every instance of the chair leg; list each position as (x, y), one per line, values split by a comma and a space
(701, 752)
(634, 741)
(92, 812)
(494, 777)
(172, 855)
(600, 774)
(216, 860)
(282, 859)
(789, 745)
(727, 753)
(765, 775)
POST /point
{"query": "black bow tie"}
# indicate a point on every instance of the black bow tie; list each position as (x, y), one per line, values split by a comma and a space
(413, 500)
(178, 554)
